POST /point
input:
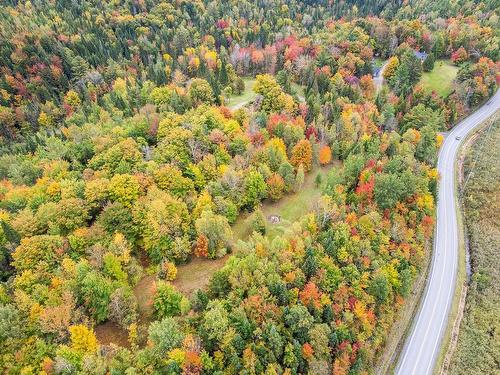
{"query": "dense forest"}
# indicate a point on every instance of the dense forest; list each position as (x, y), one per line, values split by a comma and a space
(119, 158)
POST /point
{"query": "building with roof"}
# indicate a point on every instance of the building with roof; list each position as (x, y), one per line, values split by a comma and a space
(421, 55)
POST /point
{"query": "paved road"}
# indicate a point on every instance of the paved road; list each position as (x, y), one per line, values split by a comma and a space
(423, 343)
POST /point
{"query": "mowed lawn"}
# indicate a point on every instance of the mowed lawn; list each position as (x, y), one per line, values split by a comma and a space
(236, 101)
(441, 77)
(290, 208)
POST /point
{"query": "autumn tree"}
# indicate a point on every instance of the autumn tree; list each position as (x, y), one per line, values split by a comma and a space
(275, 186)
(124, 188)
(325, 155)
(459, 56)
(302, 155)
(391, 67)
(123, 307)
(201, 92)
(170, 178)
(201, 246)
(216, 230)
(274, 99)
(83, 340)
(43, 250)
(165, 224)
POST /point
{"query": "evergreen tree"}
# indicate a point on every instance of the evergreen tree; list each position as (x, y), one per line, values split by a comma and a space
(428, 64)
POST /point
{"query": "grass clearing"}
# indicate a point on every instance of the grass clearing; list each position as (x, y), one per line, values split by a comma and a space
(440, 79)
(197, 273)
(290, 208)
(237, 101)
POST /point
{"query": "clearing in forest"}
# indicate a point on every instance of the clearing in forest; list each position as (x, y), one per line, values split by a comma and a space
(197, 273)
(289, 209)
(440, 79)
(238, 101)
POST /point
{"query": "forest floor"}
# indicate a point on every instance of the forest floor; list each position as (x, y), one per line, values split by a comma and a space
(440, 79)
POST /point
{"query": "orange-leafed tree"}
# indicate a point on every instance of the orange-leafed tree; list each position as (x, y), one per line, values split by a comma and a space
(367, 85)
(307, 351)
(302, 154)
(275, 186)
(341, 364)
(325, 155)
(310, 296)
(201, 247)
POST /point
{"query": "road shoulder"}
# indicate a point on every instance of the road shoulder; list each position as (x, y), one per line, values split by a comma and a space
(450, 337)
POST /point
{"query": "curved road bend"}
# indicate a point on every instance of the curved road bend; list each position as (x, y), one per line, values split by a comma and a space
(422, 346)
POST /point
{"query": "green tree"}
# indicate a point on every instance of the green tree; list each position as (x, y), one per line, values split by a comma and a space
(94, 291)
(217, 230)
(72, 213)
(299, 178)
(215, 321)
(117, 217)
(420, 116)
(407, 74)
(200, 91)
(380, 288)
(168, 301)
(299, 321)
(259, 222)
(428, 64)
(255, 189)
(426, 150)
(393, 188)
(286, 171)
(165, 335)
